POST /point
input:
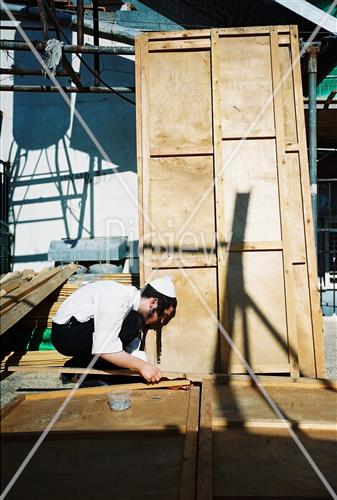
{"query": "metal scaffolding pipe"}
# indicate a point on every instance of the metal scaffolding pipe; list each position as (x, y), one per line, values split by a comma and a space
(80, 22)
(109, 30)
(312, 52)
(96, 42)
(49, 88)
(77, 49)
(30, 72)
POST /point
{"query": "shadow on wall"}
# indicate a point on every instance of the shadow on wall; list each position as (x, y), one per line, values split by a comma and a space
(109, 117)
(42, 123)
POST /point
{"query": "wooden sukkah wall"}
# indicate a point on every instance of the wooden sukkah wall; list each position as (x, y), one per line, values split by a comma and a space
(224, 198)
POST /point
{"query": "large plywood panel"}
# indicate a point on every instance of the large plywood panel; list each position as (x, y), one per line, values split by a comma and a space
(246, 85)
(182, 204)
(190, 340)
(250, 186)
(180, 102)
(257, 315)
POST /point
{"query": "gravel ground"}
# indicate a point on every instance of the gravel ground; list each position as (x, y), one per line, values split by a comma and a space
(330, 344)
(19, 383)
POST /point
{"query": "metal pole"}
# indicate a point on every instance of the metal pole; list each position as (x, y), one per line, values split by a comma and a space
(312, 52)
(80, 22)
(30, 72)
(83, 90)
(43, 17)
(95, 15)
(85, 49)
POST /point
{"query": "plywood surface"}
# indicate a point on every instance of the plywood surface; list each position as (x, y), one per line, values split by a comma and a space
(245, 70)
(149, 409)
(257, 315)
(239, 404)
(180, 125)
(190, 340)
(169, 214)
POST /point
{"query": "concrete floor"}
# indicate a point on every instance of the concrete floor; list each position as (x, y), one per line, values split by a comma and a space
(19, 383)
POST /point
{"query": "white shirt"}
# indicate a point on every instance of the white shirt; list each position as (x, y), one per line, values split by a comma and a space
(108, 303)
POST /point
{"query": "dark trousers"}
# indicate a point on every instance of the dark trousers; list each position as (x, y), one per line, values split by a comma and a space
(75, 339)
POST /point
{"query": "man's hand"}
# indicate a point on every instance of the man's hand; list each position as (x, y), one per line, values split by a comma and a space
(150, 373)
(125, 360)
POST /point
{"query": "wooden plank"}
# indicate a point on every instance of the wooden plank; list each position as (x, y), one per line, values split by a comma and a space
(9, 407)
(219, 205)
(26, 288)
(274, 381)
(272, 424)
(205, 456)
(63, 393)
(93, 371)
(10, 276)
(249, 133)
(178, 150)
(182, 44)
(139, 42)
(260, 367)
(316, 314)
(189, 466)
(203, 257)
(35, 297)
(284, 208)
(249, 246)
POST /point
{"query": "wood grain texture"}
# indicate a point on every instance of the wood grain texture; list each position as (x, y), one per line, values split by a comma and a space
(257, 314)
(188, 178)
(250, 185)
(179, 107)
(249, 57)
(190, 340)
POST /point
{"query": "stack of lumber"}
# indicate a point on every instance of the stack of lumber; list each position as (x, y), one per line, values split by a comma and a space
(21, 292)
(33, 359)
(42, 315)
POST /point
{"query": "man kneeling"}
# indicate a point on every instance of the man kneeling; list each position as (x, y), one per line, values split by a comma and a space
(104, 319)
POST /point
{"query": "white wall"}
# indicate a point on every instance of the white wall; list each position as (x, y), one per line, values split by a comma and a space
(43, 141)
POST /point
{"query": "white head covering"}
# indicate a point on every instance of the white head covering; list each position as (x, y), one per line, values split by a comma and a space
(164, 285)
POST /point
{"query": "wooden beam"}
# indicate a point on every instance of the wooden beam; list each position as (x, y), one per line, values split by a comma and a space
(91, 371)
(109, 388)
(189, 466)
(205, 458)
